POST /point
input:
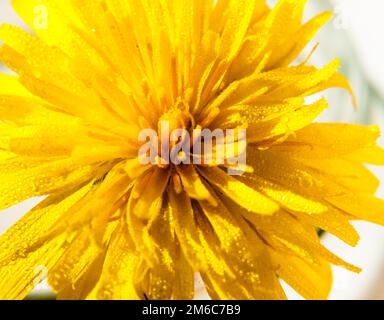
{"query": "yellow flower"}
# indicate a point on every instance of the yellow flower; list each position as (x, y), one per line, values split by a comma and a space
(95, 73)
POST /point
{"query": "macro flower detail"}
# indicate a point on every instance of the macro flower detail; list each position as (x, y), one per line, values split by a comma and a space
(96, 73)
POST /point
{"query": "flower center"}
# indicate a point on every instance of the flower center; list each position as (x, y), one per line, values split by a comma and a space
(174, 128)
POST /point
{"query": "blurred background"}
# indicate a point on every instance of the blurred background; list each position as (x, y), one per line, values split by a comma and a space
(354, 35)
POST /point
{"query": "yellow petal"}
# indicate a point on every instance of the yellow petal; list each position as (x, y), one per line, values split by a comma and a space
(81, 288)
(26, 244)
(19, 278)
(322, 140)
(236, 26)
(333, 221)
(303, 36)
(288, 172)
(10, 86)
(77, 271)
(283, 232)
(361, 206)
(164, 248)
(287, 198)
(310, 82)
(185, 228)
(282, 22)
(370, 154)
(41, 14)
(31, 230)
(245, 196)
(36, 179)
(353, 175)
(311, 281)
(117, 277)
(249, 266)
(192, 183)
(155, 187)
(286, 124)
(184, 281)
(201, 248)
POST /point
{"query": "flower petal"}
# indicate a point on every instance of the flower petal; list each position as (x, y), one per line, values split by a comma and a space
(311, 281)
(250, 267)
(245, 196)
(77, 271)
(37, 179)
(322, 140)
(155, 186)
(362, 206)
(26, 244)
(10, 86)
(118, 269)
(286, 197)
(192, 183)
